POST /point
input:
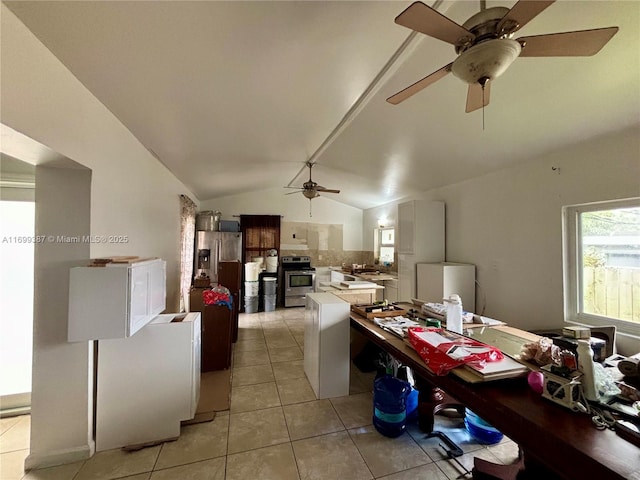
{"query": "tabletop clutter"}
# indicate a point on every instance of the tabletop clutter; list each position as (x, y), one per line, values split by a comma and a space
(218, 295)
(571, 370)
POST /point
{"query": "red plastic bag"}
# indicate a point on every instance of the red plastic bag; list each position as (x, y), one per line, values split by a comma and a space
(442, 350)
(218, 295)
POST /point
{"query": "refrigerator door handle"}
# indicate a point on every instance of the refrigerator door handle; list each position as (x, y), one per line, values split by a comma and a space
(217, 256)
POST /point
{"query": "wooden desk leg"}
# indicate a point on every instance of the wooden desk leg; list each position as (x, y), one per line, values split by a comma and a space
(431, 400)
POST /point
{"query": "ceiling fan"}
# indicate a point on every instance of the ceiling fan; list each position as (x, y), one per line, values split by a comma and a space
(485, 46)
(311, 189)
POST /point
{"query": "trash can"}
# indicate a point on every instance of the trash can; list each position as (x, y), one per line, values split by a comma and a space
(251, 304)
(269, 285)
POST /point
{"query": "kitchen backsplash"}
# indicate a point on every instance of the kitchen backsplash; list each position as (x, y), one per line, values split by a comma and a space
(323, 243)
(328, 258)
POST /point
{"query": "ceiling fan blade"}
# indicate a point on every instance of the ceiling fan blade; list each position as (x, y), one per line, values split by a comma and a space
(523, 12)
(476, 98)
(581, 43)
(402, 95)
(327, 190)
(299, 188)
(291, 193)
(424, 19)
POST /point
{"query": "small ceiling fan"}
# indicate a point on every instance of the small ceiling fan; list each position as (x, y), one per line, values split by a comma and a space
(485, 46)
(311, 189)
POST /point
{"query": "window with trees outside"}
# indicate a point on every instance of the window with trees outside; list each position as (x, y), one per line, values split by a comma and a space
(602, 264)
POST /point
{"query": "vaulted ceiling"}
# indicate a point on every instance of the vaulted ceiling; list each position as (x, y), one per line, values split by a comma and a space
(236, 96)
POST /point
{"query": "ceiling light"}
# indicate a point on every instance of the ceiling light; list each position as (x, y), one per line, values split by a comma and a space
(310, 193)
(486, 60)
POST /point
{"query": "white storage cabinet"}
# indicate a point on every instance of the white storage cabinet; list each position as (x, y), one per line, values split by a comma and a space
(337, 276)
(391, 290)
(326, 344)
(439, 280)
(380, 294)
(115, 301)
(148, 383)
(420, 238)
(323, 275)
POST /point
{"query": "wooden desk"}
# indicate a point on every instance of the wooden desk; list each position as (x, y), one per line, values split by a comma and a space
(562, 441)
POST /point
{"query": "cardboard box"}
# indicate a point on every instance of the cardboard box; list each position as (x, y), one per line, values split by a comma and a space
(196, 302)
(229, 226)
(576, 332)
(202, 282)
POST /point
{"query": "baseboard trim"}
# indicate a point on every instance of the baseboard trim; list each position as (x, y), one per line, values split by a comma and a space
(15, 412)
(59, 457)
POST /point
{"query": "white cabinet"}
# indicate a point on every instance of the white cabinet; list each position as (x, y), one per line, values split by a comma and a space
(439, 280)
(406, 232)
(115, 301)
(391, 290)
(323, 275)
(326, 344)
(148, 383)
(421, 238)
(380, 294)
(337, 276)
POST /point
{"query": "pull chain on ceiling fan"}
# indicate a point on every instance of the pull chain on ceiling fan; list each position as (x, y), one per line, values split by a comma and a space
(485, 46)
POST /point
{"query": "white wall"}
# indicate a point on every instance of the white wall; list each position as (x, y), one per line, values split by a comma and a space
(62, 385)
(132, 194)
(509, 224)
(293, 208)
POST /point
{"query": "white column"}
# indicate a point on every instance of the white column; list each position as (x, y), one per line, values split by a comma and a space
(62, 390)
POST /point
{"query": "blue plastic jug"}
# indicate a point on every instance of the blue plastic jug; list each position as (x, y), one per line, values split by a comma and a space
(389, 405)
(412, 404)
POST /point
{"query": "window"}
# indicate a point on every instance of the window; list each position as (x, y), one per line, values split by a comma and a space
(385, 245)
(602, 264)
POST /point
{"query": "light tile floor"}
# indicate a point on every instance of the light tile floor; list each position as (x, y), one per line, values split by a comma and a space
(275, 429)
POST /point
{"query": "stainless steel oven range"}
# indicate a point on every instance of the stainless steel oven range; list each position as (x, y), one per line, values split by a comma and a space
(297, 275)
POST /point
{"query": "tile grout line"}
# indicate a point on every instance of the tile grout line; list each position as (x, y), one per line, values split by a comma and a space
(290, 442)
(293, 451)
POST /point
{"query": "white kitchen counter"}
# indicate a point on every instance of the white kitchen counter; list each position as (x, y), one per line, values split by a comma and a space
(361, 296)
(386, 279)
(376, 277)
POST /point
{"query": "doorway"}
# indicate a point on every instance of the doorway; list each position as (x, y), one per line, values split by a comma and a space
(17, 229)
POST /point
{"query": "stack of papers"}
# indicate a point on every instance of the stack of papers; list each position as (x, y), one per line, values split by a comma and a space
(396, 325)
(501, 370)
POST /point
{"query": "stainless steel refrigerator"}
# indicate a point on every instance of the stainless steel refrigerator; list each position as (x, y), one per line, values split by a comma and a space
(213, 248)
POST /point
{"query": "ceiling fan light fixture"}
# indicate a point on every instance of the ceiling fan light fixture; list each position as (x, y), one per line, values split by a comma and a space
(488, 59)
(310, 194)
